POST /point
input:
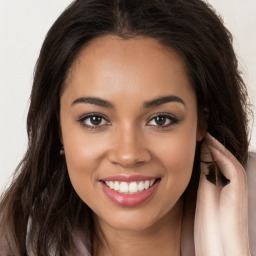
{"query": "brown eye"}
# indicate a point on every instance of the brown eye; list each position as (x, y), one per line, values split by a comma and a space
(160, 120)
(93, 121)
(163, 120)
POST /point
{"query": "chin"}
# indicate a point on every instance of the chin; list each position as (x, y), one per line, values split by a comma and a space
(141, 218)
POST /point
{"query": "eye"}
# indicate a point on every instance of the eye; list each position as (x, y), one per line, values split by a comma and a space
(163, 120)
(93, 121)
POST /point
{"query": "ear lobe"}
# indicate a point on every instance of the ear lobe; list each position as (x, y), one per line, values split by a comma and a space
(201, 133)
(202, 125)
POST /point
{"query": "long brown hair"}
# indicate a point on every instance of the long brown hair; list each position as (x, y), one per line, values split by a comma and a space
(40, 209)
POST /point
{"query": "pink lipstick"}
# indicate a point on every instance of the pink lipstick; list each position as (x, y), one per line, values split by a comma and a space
(129, 191)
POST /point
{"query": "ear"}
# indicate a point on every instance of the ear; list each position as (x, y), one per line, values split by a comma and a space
(202, 125)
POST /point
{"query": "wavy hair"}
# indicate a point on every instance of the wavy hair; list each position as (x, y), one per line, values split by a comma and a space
(41, 210)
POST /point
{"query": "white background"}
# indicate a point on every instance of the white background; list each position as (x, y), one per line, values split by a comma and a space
(23, 26)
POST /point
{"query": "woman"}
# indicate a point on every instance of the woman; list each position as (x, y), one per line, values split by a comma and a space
(125, 97)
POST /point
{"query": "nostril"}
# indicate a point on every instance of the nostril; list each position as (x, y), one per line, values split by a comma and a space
(129, 159)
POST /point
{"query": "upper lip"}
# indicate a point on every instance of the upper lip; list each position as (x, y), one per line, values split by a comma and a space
(128, 178)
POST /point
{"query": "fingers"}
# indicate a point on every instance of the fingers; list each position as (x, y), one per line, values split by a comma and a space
(207, 229)
(228, 203)
(206, 155)
(210, 168)
(228, 165)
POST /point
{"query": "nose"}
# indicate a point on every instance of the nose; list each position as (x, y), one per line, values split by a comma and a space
(128, 148)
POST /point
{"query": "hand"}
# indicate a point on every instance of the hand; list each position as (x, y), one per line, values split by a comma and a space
(221, 221)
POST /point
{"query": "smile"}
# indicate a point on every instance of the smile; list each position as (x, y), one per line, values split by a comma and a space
(130, 187)
(129, 190)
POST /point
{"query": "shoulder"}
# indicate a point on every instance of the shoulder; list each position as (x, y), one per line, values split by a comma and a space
(251, 180)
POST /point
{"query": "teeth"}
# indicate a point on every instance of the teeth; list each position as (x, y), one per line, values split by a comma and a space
(133, 187)
(111, 184)
(146, 184)
(141, 186)
(123, 187)
(129, 187)
(116, 186)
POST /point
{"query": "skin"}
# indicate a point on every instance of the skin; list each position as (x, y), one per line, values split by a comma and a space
(128, 140)
(221, 221)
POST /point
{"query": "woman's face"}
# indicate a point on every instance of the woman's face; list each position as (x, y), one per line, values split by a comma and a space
(129, 129)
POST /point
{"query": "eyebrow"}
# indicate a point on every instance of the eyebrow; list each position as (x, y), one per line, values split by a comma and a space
(148, 104)
(95, 101)
(162, 100)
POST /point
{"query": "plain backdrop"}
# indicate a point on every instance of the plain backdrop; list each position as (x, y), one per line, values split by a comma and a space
(23, 26)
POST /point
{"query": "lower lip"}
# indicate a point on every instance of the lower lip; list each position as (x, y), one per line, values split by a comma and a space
(129, 199)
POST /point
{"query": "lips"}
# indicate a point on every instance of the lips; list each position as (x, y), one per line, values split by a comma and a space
(129, 190)
(129, 187)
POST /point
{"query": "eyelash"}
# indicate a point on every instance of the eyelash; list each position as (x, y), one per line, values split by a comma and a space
(173, 120)
(91, 127)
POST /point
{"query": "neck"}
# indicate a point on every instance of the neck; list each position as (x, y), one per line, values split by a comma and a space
(162, 238)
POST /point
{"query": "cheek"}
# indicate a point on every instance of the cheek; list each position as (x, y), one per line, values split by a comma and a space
(78, 156)
(83, 154)
(176, 153)
(82, 150)
(178, 147)
(183, 152)
(82, 168)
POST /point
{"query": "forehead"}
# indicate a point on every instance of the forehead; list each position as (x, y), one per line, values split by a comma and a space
(111, 65)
